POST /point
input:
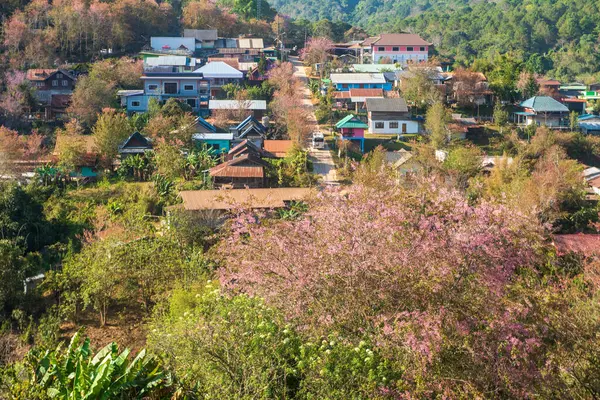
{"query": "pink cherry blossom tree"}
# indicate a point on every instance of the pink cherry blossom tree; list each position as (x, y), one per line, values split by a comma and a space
(419, 269)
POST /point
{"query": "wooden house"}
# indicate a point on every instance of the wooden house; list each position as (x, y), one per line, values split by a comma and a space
(249, 129)
(53, 89)
(135, 144)
(244, 167)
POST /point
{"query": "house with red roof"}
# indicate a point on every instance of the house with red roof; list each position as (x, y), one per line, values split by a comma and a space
(401, 48)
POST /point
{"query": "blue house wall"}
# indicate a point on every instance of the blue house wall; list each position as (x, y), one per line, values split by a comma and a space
(347, 86)
(195, 92)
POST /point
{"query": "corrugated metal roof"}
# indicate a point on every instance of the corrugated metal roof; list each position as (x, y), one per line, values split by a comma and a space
(357, 78)
(212, 136)
(182, 61)
(219, 69)
(249, 198)
(237, 104)
(387, 105)
(278, 148)
(201, 34)
(400, 39)
(374, 68)
(233, 171)
(350, 121)
(544, 104)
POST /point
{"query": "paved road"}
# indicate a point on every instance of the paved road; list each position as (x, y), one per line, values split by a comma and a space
(323, 164)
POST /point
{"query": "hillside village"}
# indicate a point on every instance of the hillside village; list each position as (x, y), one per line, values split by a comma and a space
(279, 208)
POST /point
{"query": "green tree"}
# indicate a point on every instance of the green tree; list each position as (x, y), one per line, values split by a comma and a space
(500, 116)
(90, 97)
(111, 129)
(574, 121)
(418, 89)
(13, 271)
(436, 123)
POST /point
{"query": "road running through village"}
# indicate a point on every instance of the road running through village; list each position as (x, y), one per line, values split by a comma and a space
(323, 164)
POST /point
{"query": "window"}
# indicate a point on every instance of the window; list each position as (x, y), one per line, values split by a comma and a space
(404, 128)
(40, 84)
(54, 83)
(188, 87)
(152, 87)
(59, 76)
(379, 125)
(170, 88)
(381, 49)
(395, 48)
(393, 125)
(135, 104)
(214, 146)
(409, 48)
(191, 102)
(65, 83)
(422, 49)
(344, 86)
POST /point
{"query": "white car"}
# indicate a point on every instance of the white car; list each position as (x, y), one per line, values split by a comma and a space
(318, 140)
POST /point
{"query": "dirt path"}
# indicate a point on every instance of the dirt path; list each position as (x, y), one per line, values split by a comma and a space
(323, 164)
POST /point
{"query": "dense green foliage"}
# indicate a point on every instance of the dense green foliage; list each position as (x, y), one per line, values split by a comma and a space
(76, 373)
(558, 36)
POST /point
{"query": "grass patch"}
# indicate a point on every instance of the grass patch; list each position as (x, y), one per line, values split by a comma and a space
(388, 144)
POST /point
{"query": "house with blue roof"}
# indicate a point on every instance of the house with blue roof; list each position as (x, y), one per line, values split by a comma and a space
(249, 129)
(589, 124)
(543, 111)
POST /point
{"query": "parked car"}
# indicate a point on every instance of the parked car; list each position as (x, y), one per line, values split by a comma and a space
(318, 140)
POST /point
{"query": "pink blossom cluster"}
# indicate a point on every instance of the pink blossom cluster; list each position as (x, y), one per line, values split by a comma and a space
(419, 269)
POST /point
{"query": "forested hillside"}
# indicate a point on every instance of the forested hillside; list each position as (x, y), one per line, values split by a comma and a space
(558, 36)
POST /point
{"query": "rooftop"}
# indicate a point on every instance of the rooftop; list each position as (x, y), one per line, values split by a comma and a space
(213, 136)
(357, 78)
(237, 104)
(201, 34)
(350, 121)
(278, 148)
(374, 68)
(249, 198)
(386, 105)
(400, 39)
(43, 74)
(544, 104)
(219, 69)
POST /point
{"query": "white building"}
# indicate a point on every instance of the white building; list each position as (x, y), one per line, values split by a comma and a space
(390, 117)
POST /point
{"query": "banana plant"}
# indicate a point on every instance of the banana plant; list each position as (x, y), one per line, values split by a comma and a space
(77, 374)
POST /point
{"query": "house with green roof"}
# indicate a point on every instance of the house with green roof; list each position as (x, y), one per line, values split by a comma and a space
(543, 110)
(352, 128)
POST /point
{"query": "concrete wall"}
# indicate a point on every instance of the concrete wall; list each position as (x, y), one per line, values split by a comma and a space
(411, 127)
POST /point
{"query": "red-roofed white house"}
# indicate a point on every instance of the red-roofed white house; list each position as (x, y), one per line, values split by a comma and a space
(402, 48)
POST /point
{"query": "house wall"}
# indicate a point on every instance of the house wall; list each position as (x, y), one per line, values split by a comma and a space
(411, 126)
(344, 87)
(402, 55)
(551, 121)
(197, 87)
(221, 146)
(354, 133)
(137, 103)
